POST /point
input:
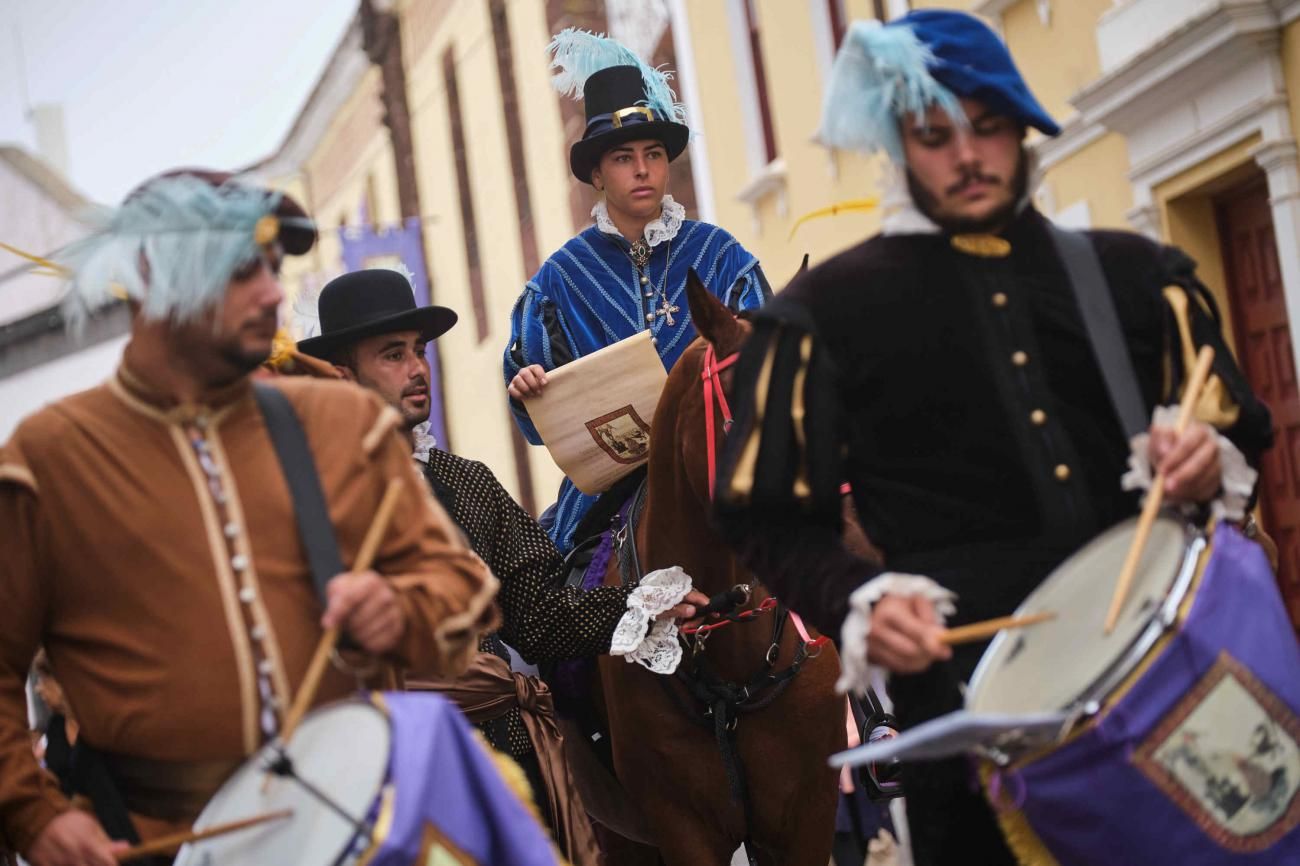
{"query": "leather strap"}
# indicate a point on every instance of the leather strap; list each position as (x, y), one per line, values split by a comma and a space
(314, 527)
(1102, 324)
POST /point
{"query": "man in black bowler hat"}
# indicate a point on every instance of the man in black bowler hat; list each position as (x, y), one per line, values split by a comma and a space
(374, 334)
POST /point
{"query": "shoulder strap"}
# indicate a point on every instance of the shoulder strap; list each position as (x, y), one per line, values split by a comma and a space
(314, 527)
(1102, 324)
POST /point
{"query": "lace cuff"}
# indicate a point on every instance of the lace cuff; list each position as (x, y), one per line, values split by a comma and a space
(641, 638)
(855, 670)
(1236, 485)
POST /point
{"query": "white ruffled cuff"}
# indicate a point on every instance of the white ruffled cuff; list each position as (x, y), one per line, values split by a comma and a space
(1237, 483)
(641, 638)
(855, 671)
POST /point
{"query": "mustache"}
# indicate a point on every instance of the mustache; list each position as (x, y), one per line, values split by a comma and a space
(420, 384)
(969, 175)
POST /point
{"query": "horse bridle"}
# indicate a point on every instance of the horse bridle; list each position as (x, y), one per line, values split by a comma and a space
(713, 391)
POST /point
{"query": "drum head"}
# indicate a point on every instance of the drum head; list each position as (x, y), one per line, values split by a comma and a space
(342, 750)
(1050, 666)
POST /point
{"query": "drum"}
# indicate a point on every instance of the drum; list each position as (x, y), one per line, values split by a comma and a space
(1181, 742)
(1174, 739)
(393, 780)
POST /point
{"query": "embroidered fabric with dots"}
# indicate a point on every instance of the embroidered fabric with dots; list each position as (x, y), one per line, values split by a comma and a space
(540, 617)
(268, 718)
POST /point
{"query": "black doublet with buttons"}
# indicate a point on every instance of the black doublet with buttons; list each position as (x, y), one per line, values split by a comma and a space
(543, 619)
(959, 395)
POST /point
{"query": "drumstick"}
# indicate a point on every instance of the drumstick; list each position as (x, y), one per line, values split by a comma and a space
(1192, 393)
(311, 682)
(166, 844)
(989, 627)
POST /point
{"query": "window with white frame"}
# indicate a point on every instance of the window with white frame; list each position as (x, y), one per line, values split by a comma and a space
(760, 132)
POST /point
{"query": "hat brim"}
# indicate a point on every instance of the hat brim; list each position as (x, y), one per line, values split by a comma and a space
(585, 155)
(432, 322)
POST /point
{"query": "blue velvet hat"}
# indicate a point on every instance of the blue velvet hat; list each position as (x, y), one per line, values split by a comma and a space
(928, 57)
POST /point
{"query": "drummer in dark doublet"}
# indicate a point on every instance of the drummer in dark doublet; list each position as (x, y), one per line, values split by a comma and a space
(375, 335)
(944, 370)
(169, 585)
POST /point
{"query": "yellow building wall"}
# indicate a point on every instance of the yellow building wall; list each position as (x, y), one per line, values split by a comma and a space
(1097, 174)
(478, 417)
(1057, 59)
(352, 162)
(815, 177)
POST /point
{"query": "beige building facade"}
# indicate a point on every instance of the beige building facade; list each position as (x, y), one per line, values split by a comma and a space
(1179, 121)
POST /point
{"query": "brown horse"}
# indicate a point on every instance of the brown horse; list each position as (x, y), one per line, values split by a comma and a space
(666, 752)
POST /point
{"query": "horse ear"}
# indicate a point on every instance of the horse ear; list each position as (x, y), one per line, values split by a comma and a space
(713, 320)
(803, 268)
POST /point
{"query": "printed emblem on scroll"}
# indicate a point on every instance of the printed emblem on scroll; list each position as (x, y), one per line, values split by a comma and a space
(594, 414)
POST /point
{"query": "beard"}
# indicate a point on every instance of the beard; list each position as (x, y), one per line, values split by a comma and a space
(928, 204)
(240, 358)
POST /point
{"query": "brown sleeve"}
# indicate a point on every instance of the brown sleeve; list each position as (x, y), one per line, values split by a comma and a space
(29, 796)
(445, 590)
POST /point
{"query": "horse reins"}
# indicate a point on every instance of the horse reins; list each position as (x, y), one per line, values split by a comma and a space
(715, 393)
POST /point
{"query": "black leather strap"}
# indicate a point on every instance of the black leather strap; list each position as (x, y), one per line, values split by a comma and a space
(1102, 324)
(314, 527)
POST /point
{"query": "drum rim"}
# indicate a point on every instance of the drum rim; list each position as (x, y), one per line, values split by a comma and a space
(1159, 622)
(373, 700)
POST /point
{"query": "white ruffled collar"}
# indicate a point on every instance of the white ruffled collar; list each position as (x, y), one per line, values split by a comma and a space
(424, 442)
(660, 229)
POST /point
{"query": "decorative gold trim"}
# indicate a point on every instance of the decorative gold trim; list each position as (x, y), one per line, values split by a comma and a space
(235, 509)
(117, 386)
(226, 583)
(19, 475)
(617, 117)
(1016, 829)
(802, 489)
(982, 246)
(742, 480)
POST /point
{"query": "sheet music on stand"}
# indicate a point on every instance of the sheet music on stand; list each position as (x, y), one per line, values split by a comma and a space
(594, 414)
(953, 734)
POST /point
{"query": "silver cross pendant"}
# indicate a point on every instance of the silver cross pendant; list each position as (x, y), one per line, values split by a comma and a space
(667, 310)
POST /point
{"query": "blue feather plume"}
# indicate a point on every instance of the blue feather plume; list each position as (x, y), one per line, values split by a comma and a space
(880, 76)
(172, 247)
(577, 54)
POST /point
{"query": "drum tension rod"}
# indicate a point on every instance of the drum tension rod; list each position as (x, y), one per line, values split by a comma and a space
(282, 765)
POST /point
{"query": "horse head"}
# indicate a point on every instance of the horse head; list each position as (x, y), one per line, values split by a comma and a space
(688, 432)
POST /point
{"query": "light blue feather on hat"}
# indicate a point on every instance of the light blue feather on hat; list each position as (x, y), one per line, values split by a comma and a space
(577, 54)
(879, 77)
(172, 247)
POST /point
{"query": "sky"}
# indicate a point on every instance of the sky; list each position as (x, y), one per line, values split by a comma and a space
(146, 86)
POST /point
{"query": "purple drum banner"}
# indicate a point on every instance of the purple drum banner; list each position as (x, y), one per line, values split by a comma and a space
(1199, 763)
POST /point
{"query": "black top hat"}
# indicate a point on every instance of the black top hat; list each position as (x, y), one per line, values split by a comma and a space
(616, 107)
(368, 302)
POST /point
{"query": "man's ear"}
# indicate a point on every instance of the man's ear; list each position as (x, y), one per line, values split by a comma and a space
(345, 372)
(596, 180)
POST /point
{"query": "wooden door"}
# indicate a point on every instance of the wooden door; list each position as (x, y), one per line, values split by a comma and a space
(1263, 336)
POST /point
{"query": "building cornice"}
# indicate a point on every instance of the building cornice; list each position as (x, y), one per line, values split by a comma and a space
(1207, 45)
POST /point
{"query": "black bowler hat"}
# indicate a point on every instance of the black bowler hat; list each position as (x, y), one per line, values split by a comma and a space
(617, 112)
(368, 302)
